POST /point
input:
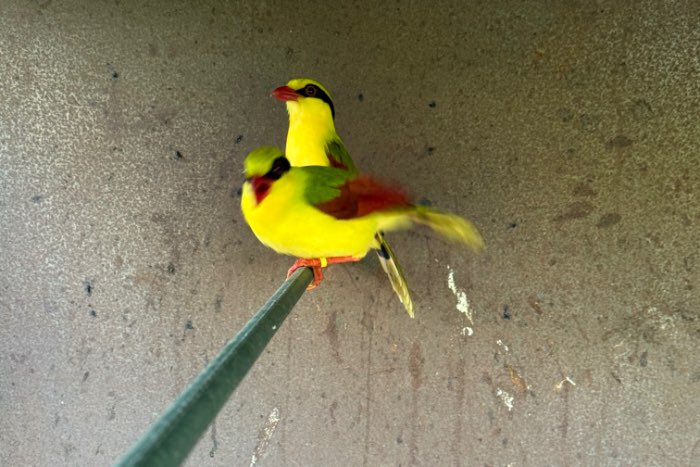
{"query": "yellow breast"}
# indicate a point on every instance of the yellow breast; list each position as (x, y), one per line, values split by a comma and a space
(309, 131)
(286, 223)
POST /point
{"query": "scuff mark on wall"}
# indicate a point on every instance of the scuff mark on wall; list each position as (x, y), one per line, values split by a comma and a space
(560, 385)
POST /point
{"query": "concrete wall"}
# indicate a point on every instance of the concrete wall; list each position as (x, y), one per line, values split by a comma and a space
(567, 131)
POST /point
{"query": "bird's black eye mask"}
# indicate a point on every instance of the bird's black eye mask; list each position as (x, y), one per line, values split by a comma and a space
(311, 90)
(280, 166)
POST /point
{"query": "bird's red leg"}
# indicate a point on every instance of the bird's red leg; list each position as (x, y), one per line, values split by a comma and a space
(317, 265)
(314, 264)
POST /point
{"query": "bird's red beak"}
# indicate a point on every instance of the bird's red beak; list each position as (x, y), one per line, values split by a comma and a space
(285, 93)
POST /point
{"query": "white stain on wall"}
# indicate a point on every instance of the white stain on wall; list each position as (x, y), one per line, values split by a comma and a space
(500, 343)
(265, 435)
(506, 397)
(462, 301)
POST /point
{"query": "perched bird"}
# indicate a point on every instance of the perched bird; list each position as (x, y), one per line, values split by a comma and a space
(324, 215)
(313, 140)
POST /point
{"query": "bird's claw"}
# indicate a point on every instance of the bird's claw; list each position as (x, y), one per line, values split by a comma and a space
(317, 265)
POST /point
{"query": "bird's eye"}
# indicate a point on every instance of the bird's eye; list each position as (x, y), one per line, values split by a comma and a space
(310, 90)
(279, 167)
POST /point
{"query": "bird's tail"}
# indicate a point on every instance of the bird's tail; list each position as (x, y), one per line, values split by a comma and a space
(391, 266)
(449, 226)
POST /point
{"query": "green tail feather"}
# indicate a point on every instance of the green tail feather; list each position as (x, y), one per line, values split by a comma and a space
(391, 266)
(450, 226)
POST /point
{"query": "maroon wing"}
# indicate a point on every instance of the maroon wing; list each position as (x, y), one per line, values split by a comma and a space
(364, 195)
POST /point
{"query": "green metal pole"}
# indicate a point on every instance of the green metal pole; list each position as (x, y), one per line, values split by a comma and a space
(168, 441)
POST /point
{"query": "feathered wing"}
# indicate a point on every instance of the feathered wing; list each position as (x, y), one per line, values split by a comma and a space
(339, 157)
(334, 192)
(391, 266)
(350, 198)
(322, 184)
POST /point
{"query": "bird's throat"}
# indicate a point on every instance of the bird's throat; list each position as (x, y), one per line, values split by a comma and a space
(261, 187)
(307, 139)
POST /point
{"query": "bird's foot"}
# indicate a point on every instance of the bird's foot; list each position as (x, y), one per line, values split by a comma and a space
(317, 265)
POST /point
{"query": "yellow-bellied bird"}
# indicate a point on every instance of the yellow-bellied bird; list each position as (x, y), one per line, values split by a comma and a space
(324, 215)
(313, 140)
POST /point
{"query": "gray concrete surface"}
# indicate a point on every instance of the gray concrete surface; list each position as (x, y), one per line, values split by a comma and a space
(568, 131)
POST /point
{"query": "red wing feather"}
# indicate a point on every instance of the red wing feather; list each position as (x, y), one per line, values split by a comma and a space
(335, 162)
(361, 196)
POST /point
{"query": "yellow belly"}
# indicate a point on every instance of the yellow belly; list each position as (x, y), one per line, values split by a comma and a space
(285, 223)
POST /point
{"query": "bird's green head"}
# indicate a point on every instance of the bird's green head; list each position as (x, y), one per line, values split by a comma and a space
(266, 161)
(263, 167)
(305, 95)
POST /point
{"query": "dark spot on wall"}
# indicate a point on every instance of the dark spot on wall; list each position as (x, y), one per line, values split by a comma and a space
(171, 268)
(429, 150)
(589, 122)
(331, 332)
(641, 109)
(214, 440)
(178, 155)
(643, 359)
(367, 320)
(239, 138)
(512, 226)
(189, 325)
(425, 202)
(86, 375)
(565, 115)
(616, 377)
(18, 358)
(618, 142)
(93, 313)
(506, 314)
(608, 220)
(577, 210)
(415, 365)
(432, 104)
(87, 286)
(68, 449)
(115, 75)
(36, 199)
(585, 190)
(332, 409)
(360, 97)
